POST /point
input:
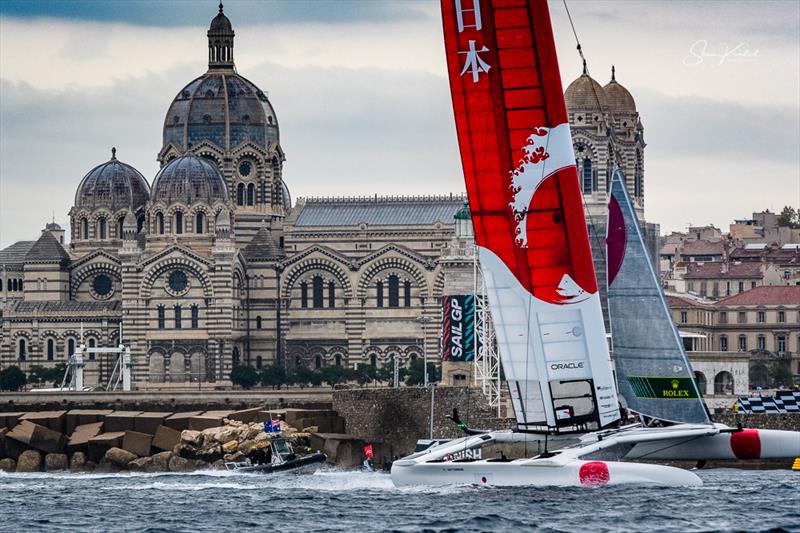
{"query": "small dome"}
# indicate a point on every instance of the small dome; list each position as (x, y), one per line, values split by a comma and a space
(618, 97)
(113, 185)
(52, 226)
(463, 213)
(585, 94)
(189, 179)
(221, 23)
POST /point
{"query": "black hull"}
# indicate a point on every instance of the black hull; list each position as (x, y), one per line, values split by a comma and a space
(308, 464)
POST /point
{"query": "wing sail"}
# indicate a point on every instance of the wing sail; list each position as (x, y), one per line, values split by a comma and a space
(519, 168)
(654, 374)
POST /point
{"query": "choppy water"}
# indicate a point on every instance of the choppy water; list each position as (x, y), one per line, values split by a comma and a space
(730, 500)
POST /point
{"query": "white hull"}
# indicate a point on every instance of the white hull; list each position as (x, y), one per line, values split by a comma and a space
(540, 473)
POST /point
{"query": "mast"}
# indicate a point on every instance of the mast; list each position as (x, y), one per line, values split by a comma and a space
(526, 205)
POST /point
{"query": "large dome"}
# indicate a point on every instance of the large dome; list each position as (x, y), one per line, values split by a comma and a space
(223, 108)
(585, 94)
(619, 98)
(189, 179)
(113, 185)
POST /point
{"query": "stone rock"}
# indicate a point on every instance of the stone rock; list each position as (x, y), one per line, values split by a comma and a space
(210, 454)
(218, 465)
(233, 457)
(230, 446)
(179, 464)
(8, 465)
(246, 446)
(261, 436)
(140, 464)
(119, 457)
(90, 466)
(160, 462)
(220, 434)
(253, 431)
(77, 462)
(311, 429)
(106, 467)
(187, 451)
(54, 462)
(29, 461)
(192, 437)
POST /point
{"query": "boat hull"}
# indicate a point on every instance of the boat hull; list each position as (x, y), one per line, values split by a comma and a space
(747, 444)
(539, 473)
(307, 464)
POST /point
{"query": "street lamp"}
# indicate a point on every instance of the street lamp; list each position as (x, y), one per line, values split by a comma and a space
(422, 319)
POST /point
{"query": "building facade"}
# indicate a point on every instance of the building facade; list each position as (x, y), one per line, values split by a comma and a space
(210, 265)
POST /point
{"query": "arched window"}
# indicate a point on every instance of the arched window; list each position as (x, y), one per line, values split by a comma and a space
(160, 223)
(251, 193)
(587, 176)
(51, 349)
(23, 350)
(161, 317)
(199, 220)
(195, 316)
(700, 379)
(84, 229)
(258, 322)
(406, 293)
(92, 344)
(317, 292)
(70, 347)
(373, 360)
(394, 291)
(236, 356)
(317, 361)
(178, 222)
(240, 194)
(304, 295)
(723, 383)
(101, 228)
(8, 285)
(338, 359)
(379, 289)
(259, 362)
(120, 226)
(177, 309)
(331, 294)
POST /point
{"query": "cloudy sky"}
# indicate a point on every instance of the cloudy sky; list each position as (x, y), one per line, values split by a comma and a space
(363, 101)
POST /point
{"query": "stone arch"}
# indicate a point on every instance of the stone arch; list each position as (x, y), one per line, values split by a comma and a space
(392, 263)
(438, 284)
(195, 268)
(759, 375)
(92, 269)
(723, 383)
(297, 271)
(702, 382)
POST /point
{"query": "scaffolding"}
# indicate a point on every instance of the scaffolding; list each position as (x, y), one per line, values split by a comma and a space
(120, 374)
(487, 359)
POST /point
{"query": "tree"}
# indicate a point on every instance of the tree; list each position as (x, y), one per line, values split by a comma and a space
(245, 376)
(301, 375)
(333, 375)
(364, 374)
(38, 374)
(789, 217)
(12, 378)
(273, 376)
(781, 375)
(415, 375)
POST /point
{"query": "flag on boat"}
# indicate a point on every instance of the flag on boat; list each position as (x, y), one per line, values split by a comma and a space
(272, 426)
(527, 211)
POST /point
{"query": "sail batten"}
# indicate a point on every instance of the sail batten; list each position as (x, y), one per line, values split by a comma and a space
(654, 373)
(527, 209)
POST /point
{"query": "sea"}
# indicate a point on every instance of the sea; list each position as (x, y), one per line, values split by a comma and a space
(729, 500)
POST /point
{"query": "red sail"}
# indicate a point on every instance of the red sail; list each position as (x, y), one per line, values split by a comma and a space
(507, 91)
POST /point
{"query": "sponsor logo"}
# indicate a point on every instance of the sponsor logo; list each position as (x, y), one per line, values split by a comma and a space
(663, 388)
(572, 365)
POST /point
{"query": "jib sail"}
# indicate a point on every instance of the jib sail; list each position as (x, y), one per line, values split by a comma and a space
(653, 372)
(519, 168)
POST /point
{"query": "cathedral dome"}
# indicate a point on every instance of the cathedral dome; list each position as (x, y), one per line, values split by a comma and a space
(585, 94)
(189, 179)
(618, 97)
(113, 185)
(220, 106)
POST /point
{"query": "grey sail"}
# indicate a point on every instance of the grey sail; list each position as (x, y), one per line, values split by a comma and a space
(653, 372)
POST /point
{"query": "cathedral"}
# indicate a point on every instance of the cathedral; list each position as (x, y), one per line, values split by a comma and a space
(211, 264)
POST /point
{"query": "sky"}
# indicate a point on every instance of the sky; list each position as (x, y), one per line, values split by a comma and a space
(363, 102)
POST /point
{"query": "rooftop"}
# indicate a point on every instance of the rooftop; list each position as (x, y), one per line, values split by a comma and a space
(702, 247)
(59, 308)
(15, 254)
(378, 210)
(714, 270)
(766, 295)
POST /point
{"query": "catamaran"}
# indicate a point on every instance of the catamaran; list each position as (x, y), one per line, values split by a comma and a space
(533, 246)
